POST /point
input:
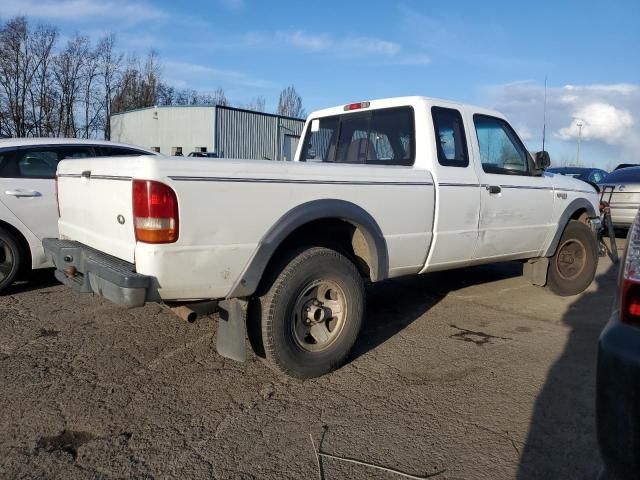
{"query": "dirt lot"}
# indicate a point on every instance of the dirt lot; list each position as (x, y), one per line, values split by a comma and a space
(469, 374)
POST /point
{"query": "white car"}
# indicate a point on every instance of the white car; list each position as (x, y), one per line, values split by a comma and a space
(378, 190)
(28, 211)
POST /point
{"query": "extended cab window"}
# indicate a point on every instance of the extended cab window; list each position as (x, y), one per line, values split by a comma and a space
(450, 140)
(382, 137)
(500, 149)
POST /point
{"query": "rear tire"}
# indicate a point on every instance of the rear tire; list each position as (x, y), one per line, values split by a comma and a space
(10, 259)
(311, 312)
(573, 267)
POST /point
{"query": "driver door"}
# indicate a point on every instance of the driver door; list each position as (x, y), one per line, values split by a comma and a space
(516, 207)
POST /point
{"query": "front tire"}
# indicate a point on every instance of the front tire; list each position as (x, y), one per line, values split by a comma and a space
(573, 267)
(10, 259)
(311, 313)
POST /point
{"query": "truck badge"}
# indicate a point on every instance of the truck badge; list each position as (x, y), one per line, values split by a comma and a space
(121, 219)
(562, 195)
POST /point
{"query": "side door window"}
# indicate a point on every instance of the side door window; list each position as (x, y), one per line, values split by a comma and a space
(500, 150)
(37, 162)
(105, 151)
(76, 152)
(8, 167)
(450, 138)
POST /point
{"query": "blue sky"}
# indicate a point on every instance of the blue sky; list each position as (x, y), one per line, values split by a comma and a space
(492, 53)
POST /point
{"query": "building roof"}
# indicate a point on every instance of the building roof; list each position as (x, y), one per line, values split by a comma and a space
(213, 106)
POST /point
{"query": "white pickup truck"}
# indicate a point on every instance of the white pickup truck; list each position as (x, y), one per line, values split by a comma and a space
(379, 189)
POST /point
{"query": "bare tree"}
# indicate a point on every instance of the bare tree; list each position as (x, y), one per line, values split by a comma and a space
(16, 73)
(290, 103)
(109, 68)
(68, 70)
(257, 104)
(219, 97)
(41, 89)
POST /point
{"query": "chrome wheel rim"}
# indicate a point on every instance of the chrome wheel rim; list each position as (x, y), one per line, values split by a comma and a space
(319, 315)
(571, 259)
(6, 260)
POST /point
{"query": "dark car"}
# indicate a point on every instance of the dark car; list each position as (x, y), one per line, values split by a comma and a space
(203, 154)
(618, 372)
(591, 175)
(627, 165)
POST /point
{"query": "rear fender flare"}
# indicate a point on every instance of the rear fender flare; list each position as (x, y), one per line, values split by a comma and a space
(305, 213)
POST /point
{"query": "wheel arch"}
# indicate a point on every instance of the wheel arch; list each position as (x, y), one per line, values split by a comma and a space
(579, 209)
(23, 243)
(368, 242)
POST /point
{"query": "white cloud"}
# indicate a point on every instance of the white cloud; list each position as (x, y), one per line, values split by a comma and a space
(73, 10)
(350, 46)
(305, 41)
(609, 113)
(600, 121)
(181, 73)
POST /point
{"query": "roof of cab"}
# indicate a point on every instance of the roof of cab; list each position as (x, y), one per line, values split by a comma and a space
(411, 100)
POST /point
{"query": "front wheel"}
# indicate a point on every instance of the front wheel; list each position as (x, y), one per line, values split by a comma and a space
(311, 313)
(573, 267)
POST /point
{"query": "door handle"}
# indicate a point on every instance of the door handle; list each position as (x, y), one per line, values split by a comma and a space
(494, 189)
(23, 193)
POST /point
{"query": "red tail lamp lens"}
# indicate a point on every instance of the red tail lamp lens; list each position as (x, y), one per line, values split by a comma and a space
(155, 212)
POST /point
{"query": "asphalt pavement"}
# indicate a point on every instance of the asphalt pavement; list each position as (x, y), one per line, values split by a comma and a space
(468, 374)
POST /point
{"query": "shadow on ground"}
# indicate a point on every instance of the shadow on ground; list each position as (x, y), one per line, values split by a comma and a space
(33, 280)
(561, 442)
(395, 304)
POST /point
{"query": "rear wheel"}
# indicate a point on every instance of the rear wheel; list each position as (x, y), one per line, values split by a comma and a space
(573, 267)
(311, 313)
(10, 259)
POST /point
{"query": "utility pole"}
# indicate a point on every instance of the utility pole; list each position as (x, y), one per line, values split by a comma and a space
(579, 124)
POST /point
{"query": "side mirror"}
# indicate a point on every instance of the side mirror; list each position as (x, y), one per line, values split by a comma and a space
(542, 160)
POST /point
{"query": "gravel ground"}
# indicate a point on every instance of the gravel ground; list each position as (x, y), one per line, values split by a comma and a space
(470, 374)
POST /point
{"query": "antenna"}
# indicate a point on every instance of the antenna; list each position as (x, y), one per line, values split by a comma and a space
(544, 114)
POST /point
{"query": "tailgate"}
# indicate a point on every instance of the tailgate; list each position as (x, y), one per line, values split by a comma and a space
(96, 210)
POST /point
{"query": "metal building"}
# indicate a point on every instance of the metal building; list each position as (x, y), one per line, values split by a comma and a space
(229, 132)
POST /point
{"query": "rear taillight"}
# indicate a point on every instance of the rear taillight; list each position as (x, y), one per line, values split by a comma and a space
(155, 212)
(630, 288)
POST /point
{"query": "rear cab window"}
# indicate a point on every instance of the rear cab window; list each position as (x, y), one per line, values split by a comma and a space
(378, 137)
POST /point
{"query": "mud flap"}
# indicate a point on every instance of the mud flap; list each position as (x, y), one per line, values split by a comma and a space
(535, 271)
(232, 329)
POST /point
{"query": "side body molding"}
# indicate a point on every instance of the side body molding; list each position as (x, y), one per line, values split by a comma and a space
(302, 214)
(573, 207)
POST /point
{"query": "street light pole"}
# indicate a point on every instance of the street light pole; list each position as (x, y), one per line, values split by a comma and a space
(579, 124)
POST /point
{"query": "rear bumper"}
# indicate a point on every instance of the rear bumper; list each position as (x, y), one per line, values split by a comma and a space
(89, 271)
(618, 398)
